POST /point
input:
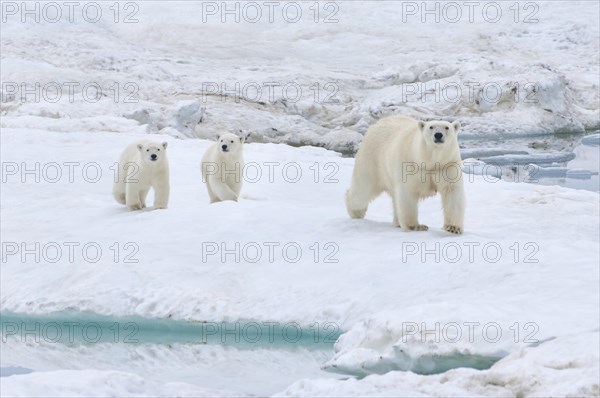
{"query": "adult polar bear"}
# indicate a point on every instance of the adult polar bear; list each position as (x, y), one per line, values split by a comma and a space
(143, 165)
(410, 160)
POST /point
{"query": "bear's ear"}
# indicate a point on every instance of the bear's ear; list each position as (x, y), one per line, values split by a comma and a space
(456, 126)
(421, 125)
(242, 139)
(165, 144)
(218, 136)
(140, 146)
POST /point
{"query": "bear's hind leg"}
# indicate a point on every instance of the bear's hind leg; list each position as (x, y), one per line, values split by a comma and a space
(119, 192)
(358, 199)
(119, 197)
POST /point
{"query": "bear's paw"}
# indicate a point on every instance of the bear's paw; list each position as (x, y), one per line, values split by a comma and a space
(453, 229)
(418, 227)
(135, 206)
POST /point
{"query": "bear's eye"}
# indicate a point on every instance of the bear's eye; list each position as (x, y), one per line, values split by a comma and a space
(446, 129)
(158, 149)
(147, 150)
(430, 127)
(232, 141)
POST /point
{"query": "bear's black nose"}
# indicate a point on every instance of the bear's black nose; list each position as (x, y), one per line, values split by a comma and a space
(153, 156)
(224, 147)
(438, 136)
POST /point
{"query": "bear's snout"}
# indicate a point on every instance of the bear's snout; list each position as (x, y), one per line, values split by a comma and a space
(153, 156)
(224, 148)
(439, 137)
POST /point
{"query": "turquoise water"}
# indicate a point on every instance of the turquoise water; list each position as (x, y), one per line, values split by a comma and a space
(253, 357)
(87, 328)
(256, 358)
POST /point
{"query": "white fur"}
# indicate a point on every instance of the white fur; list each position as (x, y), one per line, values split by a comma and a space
(138, 173)
(222, 169)
(399, 156)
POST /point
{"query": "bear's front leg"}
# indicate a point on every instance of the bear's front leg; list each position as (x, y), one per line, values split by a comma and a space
(406, 211)
(211, 194)
(161, 195)
(453, 201)
(143, 196)
(132, 196)
(222, 190)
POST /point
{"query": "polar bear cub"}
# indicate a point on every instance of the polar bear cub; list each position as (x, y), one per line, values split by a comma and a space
(222, 166)
(410, 160)
(143, 165)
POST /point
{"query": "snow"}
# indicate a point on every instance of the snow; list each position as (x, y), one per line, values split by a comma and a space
(382, 278)
(526, 266)
(563, 367)
(93, 383)
(299, 82)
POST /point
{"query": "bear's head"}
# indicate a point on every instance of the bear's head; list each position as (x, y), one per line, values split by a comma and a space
(153, 152)
(229, 144)
(439, 132)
